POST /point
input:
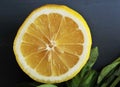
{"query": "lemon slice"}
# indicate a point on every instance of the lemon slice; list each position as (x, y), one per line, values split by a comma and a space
(53, 44)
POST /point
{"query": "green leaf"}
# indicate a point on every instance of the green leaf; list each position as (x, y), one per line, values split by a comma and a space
(116, 81)
(93, 57)
(109, 79)
(89, 80)
(107, 82)
(74, 82)
(107, 70)
(47, 85)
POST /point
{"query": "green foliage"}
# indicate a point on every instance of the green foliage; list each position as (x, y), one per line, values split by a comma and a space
(106, 70)
(109, 74)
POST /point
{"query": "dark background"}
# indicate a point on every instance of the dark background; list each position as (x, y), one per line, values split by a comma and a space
(102, 16)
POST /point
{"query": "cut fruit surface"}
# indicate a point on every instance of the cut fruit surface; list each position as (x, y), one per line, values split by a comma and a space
(53, 44)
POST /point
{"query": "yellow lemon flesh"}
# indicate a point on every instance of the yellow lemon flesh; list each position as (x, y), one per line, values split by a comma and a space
(53, 44)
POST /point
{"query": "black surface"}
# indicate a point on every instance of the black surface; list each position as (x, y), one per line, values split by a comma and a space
(102, 16)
